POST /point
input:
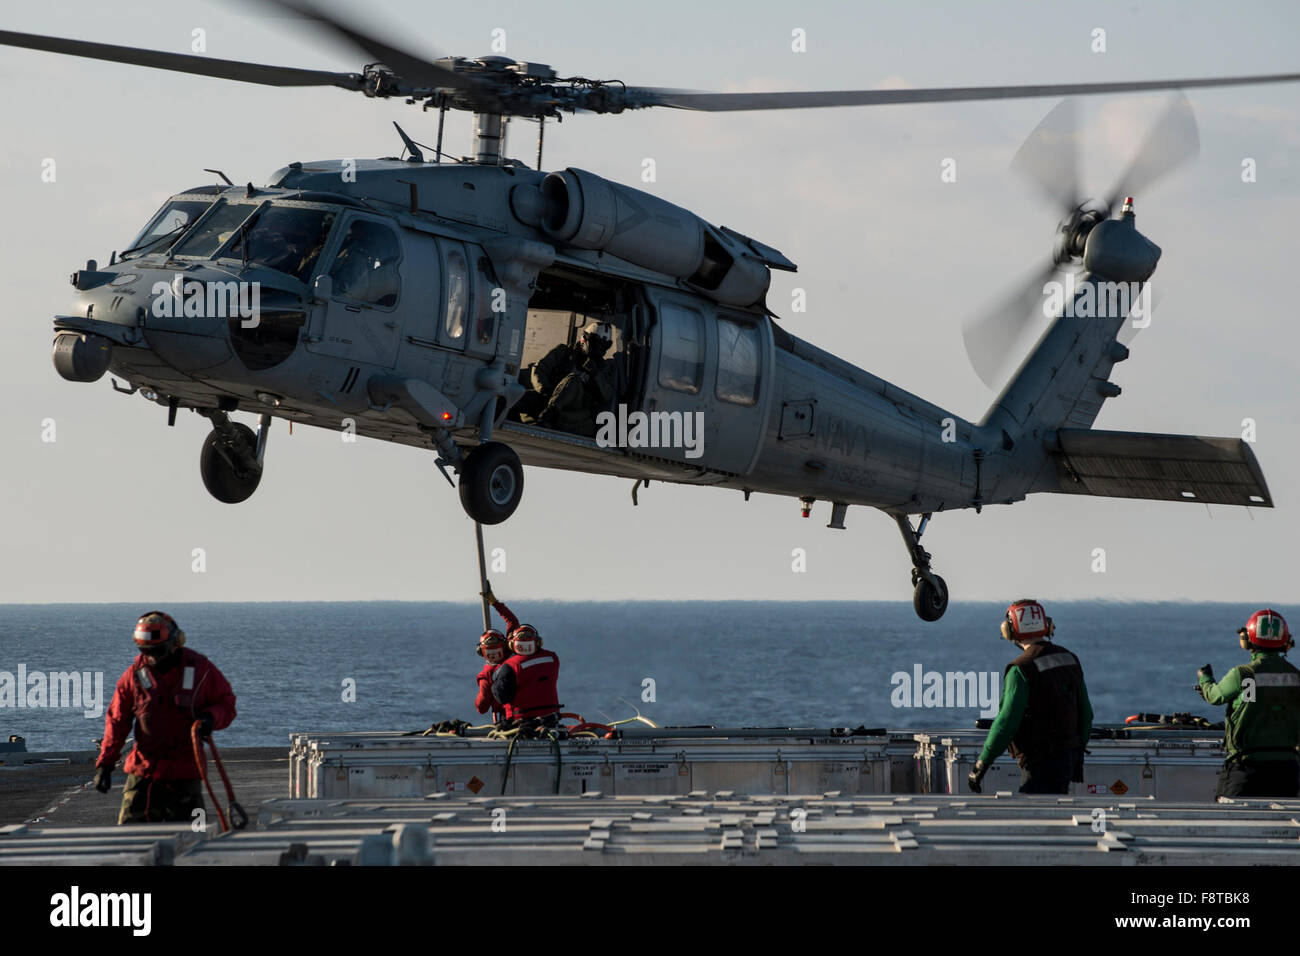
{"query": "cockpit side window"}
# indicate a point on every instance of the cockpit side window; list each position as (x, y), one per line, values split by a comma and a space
(288, 239)
(166, 226)
(365, 269)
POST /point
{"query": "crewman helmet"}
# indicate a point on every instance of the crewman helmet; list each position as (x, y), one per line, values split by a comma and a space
(524, 640)
(157, 633)
(1025, 620)
(597, 337)
(492, 646)
(1267, 630)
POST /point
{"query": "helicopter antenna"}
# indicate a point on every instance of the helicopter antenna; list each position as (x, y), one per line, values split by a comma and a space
(218, 172)
(416, 155)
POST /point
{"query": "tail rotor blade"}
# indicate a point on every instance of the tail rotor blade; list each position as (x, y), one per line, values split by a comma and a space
(991, 338)
(1170, 143)
(1050, 156)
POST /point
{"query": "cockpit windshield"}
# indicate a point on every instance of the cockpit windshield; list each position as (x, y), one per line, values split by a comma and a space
(166, 226)
(216, 230)
(288, 239)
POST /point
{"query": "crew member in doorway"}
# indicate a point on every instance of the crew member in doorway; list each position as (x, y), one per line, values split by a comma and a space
(588, 378)
(585, 391)
(1044, 715)
(1262, 729)
(492, 648)
(165, 690)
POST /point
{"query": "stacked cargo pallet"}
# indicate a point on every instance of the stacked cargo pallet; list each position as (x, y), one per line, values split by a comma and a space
(724, 827)
(1165, 764)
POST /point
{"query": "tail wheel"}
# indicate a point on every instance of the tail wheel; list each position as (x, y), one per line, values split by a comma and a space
(225, 480)
(491, 483)
(930, 598)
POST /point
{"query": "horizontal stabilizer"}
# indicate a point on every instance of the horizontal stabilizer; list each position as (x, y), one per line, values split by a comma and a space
(1159, 467)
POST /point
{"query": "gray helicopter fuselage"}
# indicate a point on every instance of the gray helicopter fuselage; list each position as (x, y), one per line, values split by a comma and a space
(479, 261)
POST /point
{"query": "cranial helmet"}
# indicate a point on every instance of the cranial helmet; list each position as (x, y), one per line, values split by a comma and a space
(524, 640)
(1266, 630)
(1025, 619)
(157, 632)
(598, 337)
(492, 646)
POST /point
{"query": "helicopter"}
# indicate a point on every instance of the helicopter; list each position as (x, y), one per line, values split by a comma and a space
(412, 300)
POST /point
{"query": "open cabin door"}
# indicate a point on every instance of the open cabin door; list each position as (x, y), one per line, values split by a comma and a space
(708, 378)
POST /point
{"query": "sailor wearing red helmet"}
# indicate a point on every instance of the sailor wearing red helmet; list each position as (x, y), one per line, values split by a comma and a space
(492, 648)
(1262, 729)
(1044, 715)
(525, 683)
(165, 690)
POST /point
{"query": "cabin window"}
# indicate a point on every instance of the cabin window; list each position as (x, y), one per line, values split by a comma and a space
(739, 350)
(365, 269)
(457, 293)
(681, 358)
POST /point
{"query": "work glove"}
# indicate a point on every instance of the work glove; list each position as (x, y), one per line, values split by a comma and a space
(103, 779)
(976, 775)
(1206, 672)
(487, 594)
(205, 725)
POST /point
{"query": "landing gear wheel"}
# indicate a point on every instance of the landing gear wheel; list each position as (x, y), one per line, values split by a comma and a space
(491, 483)
(225, 480)
(930, 600)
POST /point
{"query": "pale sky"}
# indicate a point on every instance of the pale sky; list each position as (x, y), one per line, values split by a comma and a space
(892, 260)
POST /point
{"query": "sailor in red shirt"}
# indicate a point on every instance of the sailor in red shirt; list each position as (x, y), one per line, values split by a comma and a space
(525, 684)
(491, 647)
(164, 691)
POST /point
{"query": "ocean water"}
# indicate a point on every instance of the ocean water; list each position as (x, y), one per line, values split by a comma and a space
(727, 663)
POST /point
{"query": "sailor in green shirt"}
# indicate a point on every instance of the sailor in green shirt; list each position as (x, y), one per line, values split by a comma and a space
(1044, 715)
(1262, 729)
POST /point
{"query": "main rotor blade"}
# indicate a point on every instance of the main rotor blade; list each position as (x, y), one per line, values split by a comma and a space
(991, 338)
(1171, 142)
(725, 102)
(1050, 156)
(411, 67)
(183, 62)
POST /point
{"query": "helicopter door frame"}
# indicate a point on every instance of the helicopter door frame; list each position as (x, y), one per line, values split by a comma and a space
(361, 332)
